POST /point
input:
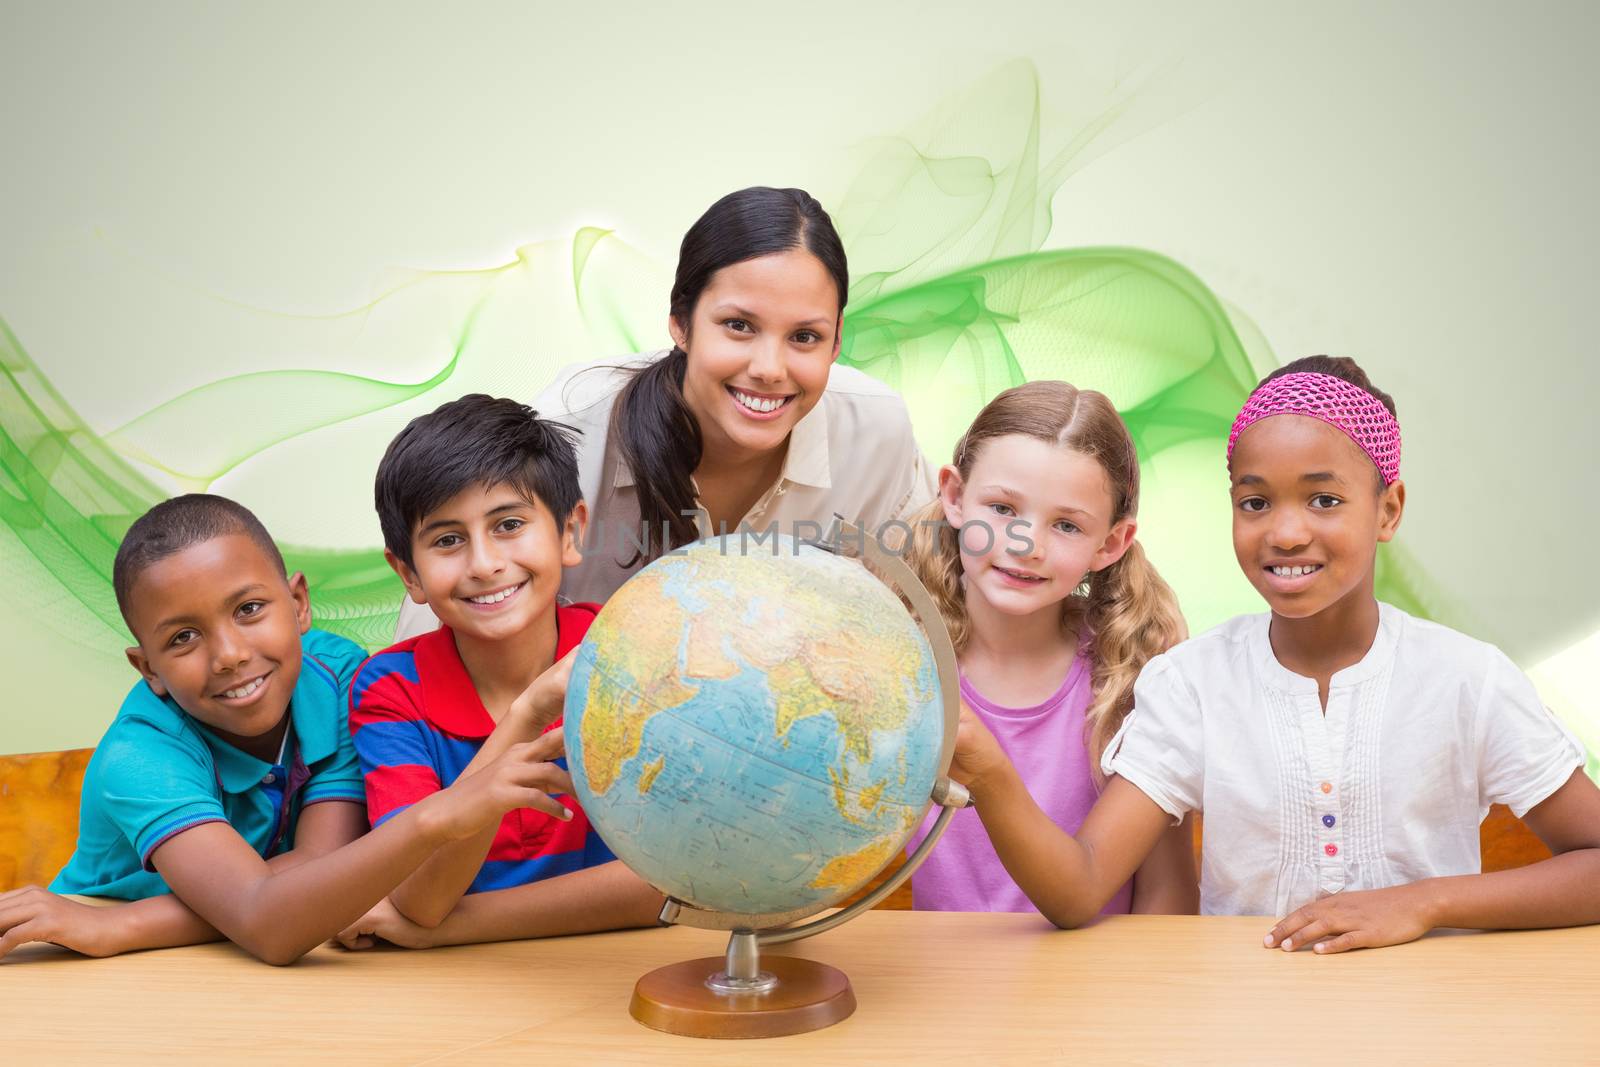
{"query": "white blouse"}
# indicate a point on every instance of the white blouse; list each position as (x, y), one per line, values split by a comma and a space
(1389, 787)
(853, 454)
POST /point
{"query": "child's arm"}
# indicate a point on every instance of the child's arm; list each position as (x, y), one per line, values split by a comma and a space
(1069, 879)
(36, 914)
(1168, 882)
(607, 897)
(430, 892)
(279, 915)
(1563, 890)
(109, 929)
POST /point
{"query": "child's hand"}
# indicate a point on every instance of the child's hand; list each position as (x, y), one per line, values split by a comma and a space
(384, 923)
(34, 914)
(523, 777)
(1369, 918)
(977, 753)
(542, 702)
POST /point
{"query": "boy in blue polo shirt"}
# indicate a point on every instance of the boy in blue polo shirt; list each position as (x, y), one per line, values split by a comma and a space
(225, 799)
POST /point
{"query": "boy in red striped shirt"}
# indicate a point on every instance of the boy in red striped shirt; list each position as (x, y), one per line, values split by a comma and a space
(481, 511)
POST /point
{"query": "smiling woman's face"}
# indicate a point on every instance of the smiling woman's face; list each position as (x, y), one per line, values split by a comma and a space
(760, 343)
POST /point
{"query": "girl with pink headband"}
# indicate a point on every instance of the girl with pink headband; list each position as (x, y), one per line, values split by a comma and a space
(1343, 752)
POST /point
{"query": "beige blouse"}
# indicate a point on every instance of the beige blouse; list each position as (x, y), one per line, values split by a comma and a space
(853, 454)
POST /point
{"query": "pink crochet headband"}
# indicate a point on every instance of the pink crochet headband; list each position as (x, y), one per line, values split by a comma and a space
(1349, 408)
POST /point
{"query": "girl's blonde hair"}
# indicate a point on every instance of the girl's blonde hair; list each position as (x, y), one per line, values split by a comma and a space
(1126, 610)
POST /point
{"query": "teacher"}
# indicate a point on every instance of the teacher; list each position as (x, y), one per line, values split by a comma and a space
(745, 423)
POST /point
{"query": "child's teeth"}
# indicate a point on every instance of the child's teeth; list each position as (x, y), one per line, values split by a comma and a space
(1293, 572)
(244, 690)
(494, 598)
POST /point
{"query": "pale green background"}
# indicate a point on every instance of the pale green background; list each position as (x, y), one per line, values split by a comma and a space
(190, 190)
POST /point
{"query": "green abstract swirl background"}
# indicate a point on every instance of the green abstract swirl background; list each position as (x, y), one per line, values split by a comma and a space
(200, 292)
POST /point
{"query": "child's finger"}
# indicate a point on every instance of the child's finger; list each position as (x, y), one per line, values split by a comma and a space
(547, 696)
(1287, 926)
(22, 893)
(549, 745)
(1343, 943)
(15, 914)
(541, 801)
(20, 934)
(528, 770)
(1303, 937)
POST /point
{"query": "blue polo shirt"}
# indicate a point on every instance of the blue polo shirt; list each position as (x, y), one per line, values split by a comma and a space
(158, 772)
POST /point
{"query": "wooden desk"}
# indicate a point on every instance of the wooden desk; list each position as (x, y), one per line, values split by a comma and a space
(933, 989)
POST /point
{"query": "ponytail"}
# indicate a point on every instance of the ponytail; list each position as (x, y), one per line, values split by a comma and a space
(1132, 616)
(660, 442)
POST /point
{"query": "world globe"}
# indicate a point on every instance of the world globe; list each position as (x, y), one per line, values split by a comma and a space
(754, 732)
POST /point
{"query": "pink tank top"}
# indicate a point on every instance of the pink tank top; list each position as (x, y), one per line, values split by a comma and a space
(1046, 744)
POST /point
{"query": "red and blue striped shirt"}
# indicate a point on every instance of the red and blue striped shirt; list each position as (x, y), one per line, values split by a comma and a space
(417, 722)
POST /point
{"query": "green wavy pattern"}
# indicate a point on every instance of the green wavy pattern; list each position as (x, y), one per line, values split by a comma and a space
(954, 299)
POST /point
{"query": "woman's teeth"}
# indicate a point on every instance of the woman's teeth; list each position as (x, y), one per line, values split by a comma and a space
(246, 689)
(759, 404)
(1294, 572)
(495, 598)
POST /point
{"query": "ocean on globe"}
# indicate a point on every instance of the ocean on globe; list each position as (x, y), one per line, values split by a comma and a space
(756, 731)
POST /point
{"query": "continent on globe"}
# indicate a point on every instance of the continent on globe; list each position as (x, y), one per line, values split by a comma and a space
(754, 733)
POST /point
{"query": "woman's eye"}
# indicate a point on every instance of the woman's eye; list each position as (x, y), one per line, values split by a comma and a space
(1252, 504)
(1324, 501)
(807, 337)
(252, 608)
(737, 325)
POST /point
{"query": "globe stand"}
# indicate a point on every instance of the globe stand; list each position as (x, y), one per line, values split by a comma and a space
(733, 997)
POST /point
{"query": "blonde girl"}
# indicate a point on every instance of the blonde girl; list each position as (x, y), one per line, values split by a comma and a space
(1053, 607)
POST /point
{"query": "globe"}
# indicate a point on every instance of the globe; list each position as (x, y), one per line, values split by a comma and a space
(754, 732)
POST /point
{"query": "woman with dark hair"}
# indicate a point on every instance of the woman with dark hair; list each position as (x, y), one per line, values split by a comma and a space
(745, 423)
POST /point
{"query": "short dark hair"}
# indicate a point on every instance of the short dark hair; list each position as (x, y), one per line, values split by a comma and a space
(174, 525)
(477, 440)
(1341, 367)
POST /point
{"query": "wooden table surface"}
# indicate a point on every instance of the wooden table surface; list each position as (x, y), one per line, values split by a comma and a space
(932, 988)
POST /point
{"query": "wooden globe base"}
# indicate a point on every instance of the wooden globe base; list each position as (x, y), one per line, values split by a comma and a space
(809, 996)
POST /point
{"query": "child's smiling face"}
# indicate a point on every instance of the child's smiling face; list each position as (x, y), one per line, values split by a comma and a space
(488, 561)
(1308, 512)
(219, 628)
(1034, 518)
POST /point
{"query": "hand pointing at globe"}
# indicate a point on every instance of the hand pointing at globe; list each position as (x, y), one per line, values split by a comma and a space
(542, 702)
(524, 777)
